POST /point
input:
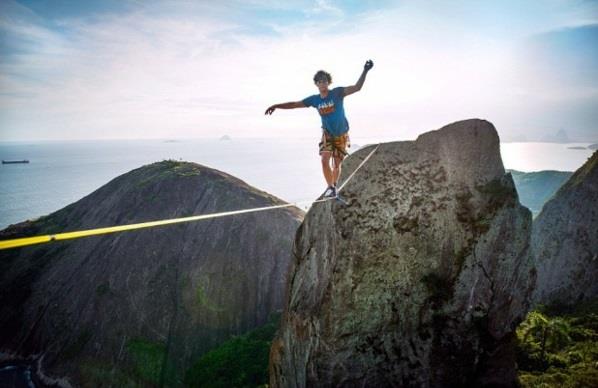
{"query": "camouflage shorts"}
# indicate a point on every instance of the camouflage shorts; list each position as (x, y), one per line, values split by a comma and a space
(337, 145)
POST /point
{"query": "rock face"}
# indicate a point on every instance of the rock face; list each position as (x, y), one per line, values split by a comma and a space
(142, 305)
(565, 240)
(421, 281)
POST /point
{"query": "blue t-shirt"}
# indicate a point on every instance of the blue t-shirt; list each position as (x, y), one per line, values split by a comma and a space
(331, 111)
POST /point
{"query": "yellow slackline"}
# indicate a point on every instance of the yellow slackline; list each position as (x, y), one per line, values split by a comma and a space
(21, 242)
(25, 241)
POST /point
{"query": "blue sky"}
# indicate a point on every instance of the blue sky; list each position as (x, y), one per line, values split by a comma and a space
(166, 69)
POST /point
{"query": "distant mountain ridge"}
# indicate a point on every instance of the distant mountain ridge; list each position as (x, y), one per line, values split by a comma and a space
(535, 188)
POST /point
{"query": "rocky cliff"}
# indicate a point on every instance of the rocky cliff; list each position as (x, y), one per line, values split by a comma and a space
(140, 306)
(421, 281)
(565, 240)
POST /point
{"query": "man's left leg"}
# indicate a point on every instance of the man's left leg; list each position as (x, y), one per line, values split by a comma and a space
(340, 150)
(336, 168)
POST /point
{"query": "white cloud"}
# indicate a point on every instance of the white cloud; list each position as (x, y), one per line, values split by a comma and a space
(154, 73)
(323, 7)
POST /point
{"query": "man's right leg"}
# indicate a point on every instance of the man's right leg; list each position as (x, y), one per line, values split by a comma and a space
(326, 167)
(336, 169)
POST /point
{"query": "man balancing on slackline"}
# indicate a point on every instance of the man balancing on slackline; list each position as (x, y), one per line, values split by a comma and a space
(335, 127)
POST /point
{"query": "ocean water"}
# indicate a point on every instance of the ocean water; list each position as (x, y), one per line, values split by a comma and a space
(529, 157)
(60, 173)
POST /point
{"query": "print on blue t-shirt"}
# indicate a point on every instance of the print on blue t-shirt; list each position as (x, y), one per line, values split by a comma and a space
(331, 111)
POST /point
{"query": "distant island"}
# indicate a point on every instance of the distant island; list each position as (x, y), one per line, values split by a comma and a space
(577, 148)
(560, 136)
(225, 138)
(593, 146)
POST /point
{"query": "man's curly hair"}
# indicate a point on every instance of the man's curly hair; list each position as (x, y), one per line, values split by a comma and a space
(321, 74)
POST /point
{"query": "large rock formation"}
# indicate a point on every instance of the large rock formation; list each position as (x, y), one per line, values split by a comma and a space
(142, 305)
(565, 240)
(421, 281)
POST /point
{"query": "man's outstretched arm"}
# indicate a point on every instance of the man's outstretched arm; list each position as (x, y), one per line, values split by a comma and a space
(286, 105)
(357, 87)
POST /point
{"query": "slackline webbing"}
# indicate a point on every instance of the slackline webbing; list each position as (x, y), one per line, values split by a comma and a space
(25, 241)
(358, 167)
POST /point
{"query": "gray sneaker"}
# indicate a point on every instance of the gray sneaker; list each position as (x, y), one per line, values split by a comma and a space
(330, 192)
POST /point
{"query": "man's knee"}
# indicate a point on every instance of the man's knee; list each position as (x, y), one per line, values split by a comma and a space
(325, 158)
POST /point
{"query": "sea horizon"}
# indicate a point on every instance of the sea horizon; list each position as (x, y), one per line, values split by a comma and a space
(62, 172)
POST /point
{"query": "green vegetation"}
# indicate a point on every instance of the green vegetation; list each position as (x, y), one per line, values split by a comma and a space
(103, 374)
(167, 169)
(203, 301)
(558, 347)
(179, 168)
(145, 371)
(148, 358)
(239, 362)
(497, 189)
(499, 193)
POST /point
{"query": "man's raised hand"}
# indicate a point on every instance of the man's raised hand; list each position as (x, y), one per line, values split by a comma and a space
(368, 65)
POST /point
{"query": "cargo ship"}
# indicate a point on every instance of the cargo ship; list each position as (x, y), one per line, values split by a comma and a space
(14, 161)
